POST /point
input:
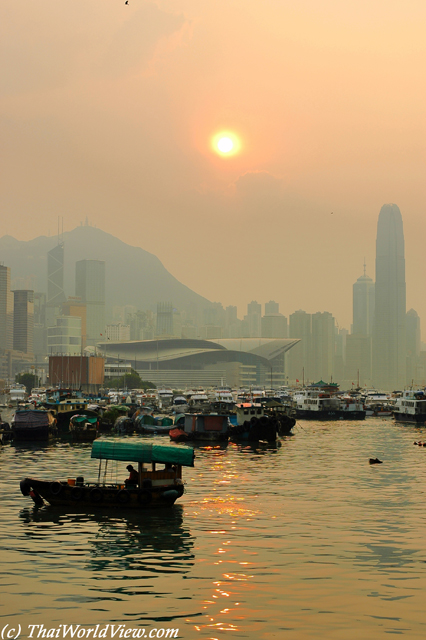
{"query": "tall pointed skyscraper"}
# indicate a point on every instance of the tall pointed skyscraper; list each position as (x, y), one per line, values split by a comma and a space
(389, 353)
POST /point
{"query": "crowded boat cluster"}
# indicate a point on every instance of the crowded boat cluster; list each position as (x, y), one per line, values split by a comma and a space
(197, 417)
(253, 414)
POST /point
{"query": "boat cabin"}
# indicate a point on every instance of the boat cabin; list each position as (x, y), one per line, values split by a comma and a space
(158, 465)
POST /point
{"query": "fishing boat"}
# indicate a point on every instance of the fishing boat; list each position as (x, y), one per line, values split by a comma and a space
(202, 427)
(84, 428)
(32, 425)
(410, 407)
(155, 487)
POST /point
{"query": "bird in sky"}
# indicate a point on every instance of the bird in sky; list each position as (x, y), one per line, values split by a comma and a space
(127, 2)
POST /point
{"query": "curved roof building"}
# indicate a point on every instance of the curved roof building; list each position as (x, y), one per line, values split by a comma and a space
(186, 362)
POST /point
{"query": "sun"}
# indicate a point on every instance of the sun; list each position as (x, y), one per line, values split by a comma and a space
(225, 143)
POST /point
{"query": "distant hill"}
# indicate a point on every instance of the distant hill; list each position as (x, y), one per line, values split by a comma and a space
(133, 276)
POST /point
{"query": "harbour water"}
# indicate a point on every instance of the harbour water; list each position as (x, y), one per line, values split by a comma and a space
(305, 540)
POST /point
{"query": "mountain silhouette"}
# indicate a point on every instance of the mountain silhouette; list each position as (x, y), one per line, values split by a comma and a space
(133, 276)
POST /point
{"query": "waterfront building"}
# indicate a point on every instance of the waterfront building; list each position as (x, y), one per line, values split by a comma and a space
(389, 343)
(23, 321)
(77, 372)
(6, 309)
(186, 363)
(90, 287)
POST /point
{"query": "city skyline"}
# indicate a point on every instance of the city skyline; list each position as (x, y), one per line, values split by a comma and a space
(327, 108)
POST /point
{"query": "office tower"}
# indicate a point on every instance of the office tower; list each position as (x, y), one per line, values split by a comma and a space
(6, 309)
(413, 344)
(23, 321)
(274, 326)
(40, 330)
(363, 305)
(389, 352)
(299, 357)
(55, 283)
(358, 353)
(322, 345)
(271, 308)
(75, 307)
(90, 287)
(65, 337)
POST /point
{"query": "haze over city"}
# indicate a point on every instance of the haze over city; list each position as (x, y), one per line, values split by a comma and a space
(109, 111)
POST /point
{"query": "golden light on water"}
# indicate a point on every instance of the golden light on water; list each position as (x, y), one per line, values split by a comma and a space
(226, 143)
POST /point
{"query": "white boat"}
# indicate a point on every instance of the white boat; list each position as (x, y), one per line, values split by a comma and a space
(410, 407)
(314, 404)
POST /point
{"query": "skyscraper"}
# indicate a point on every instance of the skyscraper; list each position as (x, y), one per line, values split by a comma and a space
(389, 351)
(90, 287)
(6, 309)
(55, 283)
(23, 321)
(299, 357)
(363, 305)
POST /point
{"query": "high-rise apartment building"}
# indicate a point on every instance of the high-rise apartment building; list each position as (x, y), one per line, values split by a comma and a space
(90, 287)
(322, 345)
(389, 347)
(23, 321)
(252, 319)
(6, 309)
(271, 308)
(299, 357)
(274, 326)
(413, 344)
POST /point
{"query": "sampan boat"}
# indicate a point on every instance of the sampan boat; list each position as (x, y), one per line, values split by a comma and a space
(155, 488)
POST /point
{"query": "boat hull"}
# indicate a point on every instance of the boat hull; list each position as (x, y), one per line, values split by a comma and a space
(88, 496)
(418, 418)
(329, 415)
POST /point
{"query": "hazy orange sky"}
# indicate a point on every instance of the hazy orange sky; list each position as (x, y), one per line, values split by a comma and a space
(107, 111)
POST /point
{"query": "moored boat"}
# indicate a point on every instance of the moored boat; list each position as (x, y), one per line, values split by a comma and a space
(154, 487)
(202, 427)
(84, 428)
(410, 407)
(32, 425)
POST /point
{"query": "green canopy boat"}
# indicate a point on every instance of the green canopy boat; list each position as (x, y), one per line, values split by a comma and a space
(148, 486)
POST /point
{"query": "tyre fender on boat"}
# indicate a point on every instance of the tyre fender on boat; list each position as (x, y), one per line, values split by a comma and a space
(77, 493)
(56, 488)
(144, 496)
(123, 496)
(96, 495)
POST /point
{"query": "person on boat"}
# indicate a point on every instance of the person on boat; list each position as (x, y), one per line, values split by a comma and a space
(133, 476)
